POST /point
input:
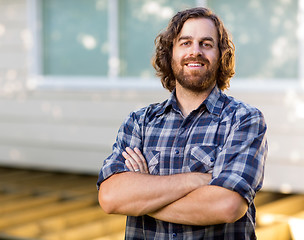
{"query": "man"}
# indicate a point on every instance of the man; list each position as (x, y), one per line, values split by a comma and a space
(188, 168)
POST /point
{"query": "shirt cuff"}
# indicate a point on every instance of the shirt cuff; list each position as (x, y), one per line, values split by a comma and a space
(107, 172)
(236, 183)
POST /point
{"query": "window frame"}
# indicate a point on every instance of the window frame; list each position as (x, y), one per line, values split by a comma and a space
(37, 81)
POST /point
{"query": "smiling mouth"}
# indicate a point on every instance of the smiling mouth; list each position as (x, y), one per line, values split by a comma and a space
(195, 64)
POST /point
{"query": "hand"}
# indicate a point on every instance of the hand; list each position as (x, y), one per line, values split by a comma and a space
(199, 179)
(135, 161)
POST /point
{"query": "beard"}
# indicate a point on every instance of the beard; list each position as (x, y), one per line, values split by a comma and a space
(195, 80)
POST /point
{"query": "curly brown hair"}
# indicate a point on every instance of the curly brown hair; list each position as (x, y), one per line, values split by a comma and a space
(164, 44)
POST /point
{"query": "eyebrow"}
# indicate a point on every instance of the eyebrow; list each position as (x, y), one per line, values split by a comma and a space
(202, 39)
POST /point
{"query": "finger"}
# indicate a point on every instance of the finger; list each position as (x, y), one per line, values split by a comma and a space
(127, 162)
(136, 161)
(129, 166)
(142, 159)
(130, 162)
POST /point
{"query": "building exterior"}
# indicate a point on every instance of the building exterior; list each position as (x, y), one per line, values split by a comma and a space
(70, 72)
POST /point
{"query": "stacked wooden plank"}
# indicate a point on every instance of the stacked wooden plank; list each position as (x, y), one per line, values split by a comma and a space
(44, 205)
(53, 206)
(280, 217)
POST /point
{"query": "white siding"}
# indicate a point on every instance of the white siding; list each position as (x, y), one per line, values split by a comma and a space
(13, 45)
(284, 114)
(74, 131)
(65, 131)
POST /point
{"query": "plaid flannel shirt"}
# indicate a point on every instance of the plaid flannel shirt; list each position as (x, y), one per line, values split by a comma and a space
(223, 136)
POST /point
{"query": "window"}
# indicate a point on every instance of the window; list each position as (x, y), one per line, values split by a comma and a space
(139, 23)
(75, 35)
(111, 42)
(265, 35)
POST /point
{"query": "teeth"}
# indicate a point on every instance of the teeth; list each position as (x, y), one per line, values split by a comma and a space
(194, 65)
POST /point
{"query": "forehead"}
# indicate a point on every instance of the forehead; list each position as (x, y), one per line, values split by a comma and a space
(199, 28)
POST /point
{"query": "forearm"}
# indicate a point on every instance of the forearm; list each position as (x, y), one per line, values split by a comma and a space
(206, 205)
(137, 194)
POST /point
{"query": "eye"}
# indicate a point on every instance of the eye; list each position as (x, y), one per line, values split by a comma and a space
(206, 45)
(187, 43)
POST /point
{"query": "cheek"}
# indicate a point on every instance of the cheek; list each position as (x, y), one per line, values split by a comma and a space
(214, 57)
(175, 60)
(175, 57)
(217, 55)
(178, 55)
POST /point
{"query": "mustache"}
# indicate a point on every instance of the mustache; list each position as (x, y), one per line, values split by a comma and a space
(198, 59)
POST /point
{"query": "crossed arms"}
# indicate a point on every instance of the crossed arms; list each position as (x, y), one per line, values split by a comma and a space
(184, 198)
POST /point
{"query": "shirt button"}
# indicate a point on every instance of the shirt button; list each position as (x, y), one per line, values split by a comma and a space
(176, 151)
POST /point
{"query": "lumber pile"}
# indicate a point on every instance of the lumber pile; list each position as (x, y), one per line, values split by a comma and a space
(41, 205)
(53, 206)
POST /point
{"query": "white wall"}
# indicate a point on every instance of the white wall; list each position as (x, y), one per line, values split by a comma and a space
(284, 114)
(74, 130)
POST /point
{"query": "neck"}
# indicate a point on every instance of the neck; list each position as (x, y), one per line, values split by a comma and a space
(188, 100)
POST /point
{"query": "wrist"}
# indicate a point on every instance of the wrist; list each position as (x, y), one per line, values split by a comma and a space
(196, 180)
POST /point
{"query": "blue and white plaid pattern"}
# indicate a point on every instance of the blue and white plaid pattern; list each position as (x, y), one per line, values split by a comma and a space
(223, 136)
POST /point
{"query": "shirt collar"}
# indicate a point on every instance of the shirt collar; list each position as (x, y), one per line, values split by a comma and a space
(170, 103)
(214, 102)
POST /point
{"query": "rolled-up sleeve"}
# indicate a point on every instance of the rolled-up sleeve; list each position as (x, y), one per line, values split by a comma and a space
(128, 136)
(239, 165)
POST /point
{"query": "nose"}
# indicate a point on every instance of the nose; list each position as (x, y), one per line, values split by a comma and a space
(196, 50)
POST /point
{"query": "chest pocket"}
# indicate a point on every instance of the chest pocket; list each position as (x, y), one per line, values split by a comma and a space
(202, 158)
(152, 158)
